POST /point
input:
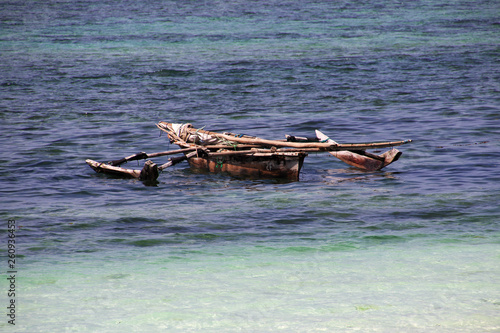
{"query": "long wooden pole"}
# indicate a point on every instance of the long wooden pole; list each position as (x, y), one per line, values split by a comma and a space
(175, 160)
(143, 155)
(276, 143)
(326, 146)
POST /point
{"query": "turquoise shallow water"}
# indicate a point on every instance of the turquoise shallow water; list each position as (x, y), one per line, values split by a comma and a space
(306, 286)
(412, 248)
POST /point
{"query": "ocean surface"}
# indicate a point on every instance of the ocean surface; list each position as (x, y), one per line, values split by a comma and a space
(412, 248)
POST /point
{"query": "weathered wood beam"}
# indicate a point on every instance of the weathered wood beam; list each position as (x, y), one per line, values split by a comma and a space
(282, 144)
(143, 156)
(101, 167)
(175, 160)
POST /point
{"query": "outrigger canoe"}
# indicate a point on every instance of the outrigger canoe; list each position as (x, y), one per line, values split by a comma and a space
(249, 156)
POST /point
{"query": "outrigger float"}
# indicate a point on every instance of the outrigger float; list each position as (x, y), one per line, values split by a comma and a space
(249, 156)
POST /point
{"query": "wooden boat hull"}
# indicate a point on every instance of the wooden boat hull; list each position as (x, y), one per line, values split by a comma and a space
(361, 159)
(365, 162)
(257, 165)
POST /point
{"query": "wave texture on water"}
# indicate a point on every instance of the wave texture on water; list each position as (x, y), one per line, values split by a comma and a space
(413, 247)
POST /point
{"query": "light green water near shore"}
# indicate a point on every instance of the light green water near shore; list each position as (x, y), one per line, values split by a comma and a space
(437, 285)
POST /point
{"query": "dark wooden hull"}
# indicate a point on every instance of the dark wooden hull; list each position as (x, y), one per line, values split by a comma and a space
(258, 165)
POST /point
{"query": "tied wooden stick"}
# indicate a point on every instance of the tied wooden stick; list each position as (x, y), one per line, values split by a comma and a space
(164, 126)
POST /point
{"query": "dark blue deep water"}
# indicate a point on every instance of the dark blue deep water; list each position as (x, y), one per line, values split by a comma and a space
(414, 247)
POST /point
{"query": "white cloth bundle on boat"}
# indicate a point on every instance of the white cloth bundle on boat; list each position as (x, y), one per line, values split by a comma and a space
(183, 131)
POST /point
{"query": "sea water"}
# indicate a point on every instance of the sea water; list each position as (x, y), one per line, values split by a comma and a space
(412, 248)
